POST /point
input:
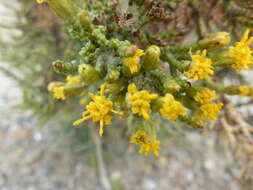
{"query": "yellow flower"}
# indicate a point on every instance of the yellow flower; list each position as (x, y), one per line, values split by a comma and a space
(133, 61)
(201, 67)
(241, 52)
(205, 96)
(244, 90)
(153, 146)
(140, 101)
(41, 1)
(209, 111)
(147, 144)
(73, 79)
(58, 93)
(171, 108)
(99, 110)
(140, 138)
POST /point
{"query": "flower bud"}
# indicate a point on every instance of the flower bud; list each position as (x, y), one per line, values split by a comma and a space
(73, 89)
(115, 87)
(52, 85)
(63, 8)
(113, 74)
(214, 41)
(85, 20)
(63, 67)
(88, 73)
(171, 85)
(130, 50)
(151, 59)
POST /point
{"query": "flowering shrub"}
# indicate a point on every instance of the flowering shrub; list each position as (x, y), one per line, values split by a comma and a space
(116, 75)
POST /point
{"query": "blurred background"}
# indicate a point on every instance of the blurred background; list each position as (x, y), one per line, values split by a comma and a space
(41, 150)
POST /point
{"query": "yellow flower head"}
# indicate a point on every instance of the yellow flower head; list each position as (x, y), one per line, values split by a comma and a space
(133, 61)
(153, 146)
(241, 52)
(73, 79)
(58, 93)
(99, 110)
(201, 66)
(205, 96)
(244, 90)
(41, 1)
(171, 108)
(209, 111)
(140, 101)
(140, 137)
(147, 144)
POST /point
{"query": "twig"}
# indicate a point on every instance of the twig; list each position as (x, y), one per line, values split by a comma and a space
(105, 182)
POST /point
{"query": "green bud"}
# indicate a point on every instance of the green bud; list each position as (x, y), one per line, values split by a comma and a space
(113, 74)
(85, 20)
(151, 59)
(171, 85)
(63, 8)
(214, 41)
(115, 87)
(88, 73)
(157, 104)
(130, 50)
(231, 90)
(222, 59)
(65, 68)
(52, 85)
(73, 89)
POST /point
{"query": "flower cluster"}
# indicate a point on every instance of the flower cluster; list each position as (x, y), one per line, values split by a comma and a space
(208, 109)
(145, 83)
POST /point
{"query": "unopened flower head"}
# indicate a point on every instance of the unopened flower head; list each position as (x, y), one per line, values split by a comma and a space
(132, 62)
(205, 96)
(209, 111)
(73, 79)
(171, 108)
(241, 53)
(99, 110)
(140, 101)
(201, 66)
(41, 1)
